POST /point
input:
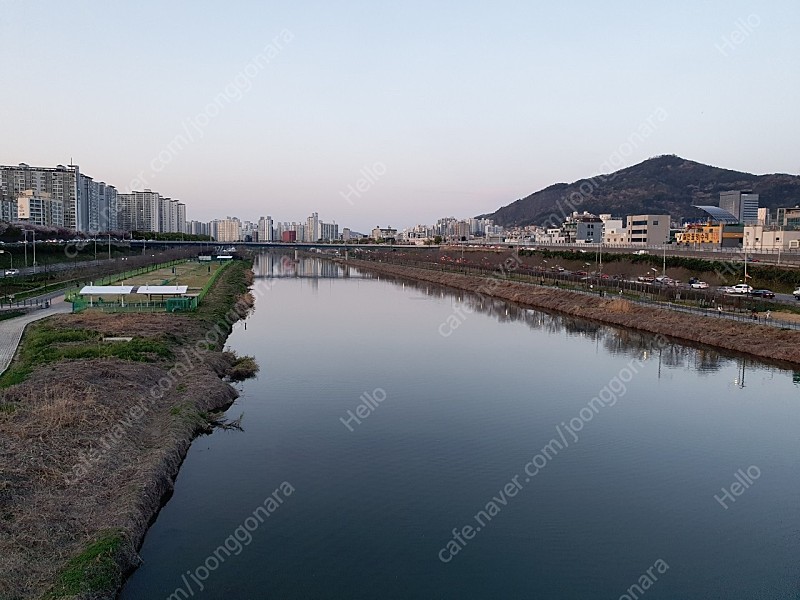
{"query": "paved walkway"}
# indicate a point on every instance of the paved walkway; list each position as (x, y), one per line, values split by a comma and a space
(11, 329)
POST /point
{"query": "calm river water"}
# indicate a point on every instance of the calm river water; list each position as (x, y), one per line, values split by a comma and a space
(406, 441)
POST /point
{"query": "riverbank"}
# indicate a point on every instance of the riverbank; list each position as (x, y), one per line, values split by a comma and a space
(757, 340)
(94, 432)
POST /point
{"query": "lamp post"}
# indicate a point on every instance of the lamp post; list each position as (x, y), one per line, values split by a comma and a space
(25, 245)
(600, 249)
(654, 270)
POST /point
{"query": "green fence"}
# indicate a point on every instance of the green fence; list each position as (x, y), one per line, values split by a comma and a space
(73, 293)
(173, 305)
(211, 281)
(79, 304)
(181, 304)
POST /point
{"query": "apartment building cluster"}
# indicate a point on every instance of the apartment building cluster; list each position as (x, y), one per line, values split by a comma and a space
(232, 229)
(450, 229)
(152, 212)
(64, 197)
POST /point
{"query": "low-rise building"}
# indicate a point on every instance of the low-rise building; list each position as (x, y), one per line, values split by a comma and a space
(701, 234)
(647, 229)
(385, 233)
(770, 238)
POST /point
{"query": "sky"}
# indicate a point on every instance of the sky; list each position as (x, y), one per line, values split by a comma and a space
(392, 114)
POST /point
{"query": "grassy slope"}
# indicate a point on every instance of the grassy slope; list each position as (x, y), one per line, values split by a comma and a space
(61, 397)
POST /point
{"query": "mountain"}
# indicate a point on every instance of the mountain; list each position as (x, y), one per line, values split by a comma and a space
(662, 185)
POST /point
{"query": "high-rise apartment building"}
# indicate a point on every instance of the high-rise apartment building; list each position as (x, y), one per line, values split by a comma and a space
(107, 207)
(61, 183)
(265, 229)
(228, 230)
(88, 205)
(197, 228)
(139, 211)
(181, 225)
(40, 209)
(312, 228)
(328, 232)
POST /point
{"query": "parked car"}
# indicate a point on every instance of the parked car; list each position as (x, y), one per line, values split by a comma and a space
(726, 289)
(763, 293)
(742, 288)
(699, 285)
(641, 252)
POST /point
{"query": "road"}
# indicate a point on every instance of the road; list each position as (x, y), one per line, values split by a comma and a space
(11, 329)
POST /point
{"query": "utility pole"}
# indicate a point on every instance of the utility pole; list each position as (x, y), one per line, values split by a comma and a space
(601, 259)
(25, 245)
(34, 252)
(745, 265)
(109, 246)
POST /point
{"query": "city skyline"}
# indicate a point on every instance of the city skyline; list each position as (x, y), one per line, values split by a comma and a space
(422, 110)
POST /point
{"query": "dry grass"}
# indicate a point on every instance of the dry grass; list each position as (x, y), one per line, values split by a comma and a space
(786, 316)
(56, 497)
(619, 305)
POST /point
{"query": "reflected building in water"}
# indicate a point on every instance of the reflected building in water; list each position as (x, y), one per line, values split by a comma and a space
(614, 340)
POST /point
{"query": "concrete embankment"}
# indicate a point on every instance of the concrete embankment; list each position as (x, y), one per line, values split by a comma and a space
(750, 338)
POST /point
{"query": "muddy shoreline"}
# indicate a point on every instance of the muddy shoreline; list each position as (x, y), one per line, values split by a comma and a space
(765, 342)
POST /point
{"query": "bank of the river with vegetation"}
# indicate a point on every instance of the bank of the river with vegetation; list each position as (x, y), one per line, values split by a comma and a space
(94, 429)
(758, 340)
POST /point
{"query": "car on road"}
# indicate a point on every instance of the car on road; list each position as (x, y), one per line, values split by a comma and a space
(763, 294)
(742, 288)
(726, 289)
(699, 285)
(796, 294)
(11, 272)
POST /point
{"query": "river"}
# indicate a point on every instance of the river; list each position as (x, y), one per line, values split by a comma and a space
(407, 441)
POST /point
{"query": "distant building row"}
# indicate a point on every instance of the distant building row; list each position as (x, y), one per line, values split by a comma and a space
(592, 229)
(231, 229)
(62, 196)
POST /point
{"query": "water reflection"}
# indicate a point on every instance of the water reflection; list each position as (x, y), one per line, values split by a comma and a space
(275, 265)
(613, 340)
(616, 341)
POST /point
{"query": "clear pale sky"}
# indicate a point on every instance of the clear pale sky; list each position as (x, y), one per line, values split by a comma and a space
(462, 106)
